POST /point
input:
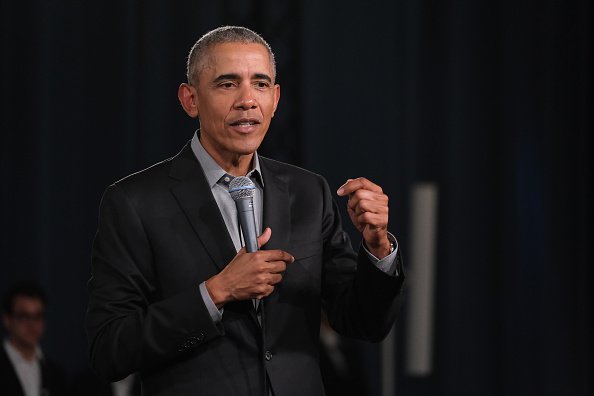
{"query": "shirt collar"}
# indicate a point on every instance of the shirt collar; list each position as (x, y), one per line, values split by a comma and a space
(213, 171)
(15, 355)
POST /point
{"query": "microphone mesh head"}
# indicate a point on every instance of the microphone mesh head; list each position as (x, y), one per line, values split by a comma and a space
(241, 187)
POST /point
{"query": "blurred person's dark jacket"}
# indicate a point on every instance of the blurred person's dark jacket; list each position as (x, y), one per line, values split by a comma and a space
(53, 379)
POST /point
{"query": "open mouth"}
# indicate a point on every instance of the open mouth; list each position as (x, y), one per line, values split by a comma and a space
(245, 122)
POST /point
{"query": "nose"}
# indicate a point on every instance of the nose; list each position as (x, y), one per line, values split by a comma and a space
(245, 100)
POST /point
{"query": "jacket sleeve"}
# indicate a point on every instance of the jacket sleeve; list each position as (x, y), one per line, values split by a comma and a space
(130, 327)
(360, 300)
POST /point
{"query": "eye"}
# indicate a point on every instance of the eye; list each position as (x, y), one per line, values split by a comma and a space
(262, 84)
(227, 84)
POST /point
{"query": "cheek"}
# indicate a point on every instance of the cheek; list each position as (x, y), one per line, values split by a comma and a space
(270, 106)
(214, 109)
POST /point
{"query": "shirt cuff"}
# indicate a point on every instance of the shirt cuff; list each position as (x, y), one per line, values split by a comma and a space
(389, 263)
(215, 313)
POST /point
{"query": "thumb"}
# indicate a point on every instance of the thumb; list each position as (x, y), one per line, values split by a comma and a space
(265, 237)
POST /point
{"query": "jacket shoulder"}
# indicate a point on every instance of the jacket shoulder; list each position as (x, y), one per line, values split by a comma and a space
(155, 172)
(159, 176)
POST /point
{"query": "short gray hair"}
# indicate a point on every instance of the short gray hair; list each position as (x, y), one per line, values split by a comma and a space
(221, 35)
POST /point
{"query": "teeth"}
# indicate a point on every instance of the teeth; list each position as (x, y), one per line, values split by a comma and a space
(245, 123)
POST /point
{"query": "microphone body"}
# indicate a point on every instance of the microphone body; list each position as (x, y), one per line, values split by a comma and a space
(242, 191)
(247, 222)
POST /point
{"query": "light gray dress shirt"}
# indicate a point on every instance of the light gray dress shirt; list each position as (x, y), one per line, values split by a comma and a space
(214, 173)
(28, 371)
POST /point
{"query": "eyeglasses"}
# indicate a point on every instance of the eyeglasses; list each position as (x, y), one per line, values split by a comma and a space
(28, 317)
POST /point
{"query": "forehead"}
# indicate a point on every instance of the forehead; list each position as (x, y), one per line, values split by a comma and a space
(27, 303)
(237, 58)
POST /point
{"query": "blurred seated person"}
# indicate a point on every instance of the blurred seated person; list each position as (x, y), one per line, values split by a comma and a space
(24, 370)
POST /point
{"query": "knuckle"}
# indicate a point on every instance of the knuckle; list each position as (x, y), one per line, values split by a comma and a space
(262, 278)
(366, 217)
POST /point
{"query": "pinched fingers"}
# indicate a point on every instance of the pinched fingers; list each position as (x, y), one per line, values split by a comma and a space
(359, 183)
(368, 195)
(375, 221)
(377, 203)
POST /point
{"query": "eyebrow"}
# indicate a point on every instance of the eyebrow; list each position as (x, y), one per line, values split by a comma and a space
(223, 77)
(235, 77)
(260, 76)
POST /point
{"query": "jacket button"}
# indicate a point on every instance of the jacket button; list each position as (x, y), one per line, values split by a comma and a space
(268, 355)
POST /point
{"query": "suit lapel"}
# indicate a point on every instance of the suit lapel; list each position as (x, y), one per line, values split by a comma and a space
(277, 213)
(194, 196)
(277, 216)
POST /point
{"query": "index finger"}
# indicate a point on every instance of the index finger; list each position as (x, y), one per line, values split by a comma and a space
(278, 255)
(353, 185)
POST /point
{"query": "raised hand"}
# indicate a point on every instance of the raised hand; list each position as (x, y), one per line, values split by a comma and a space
(368, 209)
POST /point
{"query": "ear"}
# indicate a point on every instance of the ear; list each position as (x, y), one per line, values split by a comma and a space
(188, 98)
(276, 97)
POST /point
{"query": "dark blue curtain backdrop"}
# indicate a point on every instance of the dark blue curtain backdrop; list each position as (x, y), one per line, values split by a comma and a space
(493, 101)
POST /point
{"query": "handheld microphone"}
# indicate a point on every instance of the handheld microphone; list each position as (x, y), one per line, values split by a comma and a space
(242, 191)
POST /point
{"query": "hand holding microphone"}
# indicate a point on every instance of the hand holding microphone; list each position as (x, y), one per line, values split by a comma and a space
(252, 273)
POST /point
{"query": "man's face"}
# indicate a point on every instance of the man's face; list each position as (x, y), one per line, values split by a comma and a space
(25, 325)
(236, 99)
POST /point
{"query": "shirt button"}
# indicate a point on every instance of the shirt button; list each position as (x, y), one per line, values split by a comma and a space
(268, 355)
(227, 179)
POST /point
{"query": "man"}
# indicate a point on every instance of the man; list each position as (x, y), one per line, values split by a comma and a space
(24, 371)
(173, 294)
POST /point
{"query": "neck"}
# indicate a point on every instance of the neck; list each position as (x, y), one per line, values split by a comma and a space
(236, 165)
(233, 163)
(26, 350)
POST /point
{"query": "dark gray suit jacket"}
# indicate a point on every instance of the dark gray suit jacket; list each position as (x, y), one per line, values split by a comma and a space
(161, 234)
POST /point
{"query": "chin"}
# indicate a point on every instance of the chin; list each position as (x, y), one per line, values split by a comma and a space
(247, 149)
